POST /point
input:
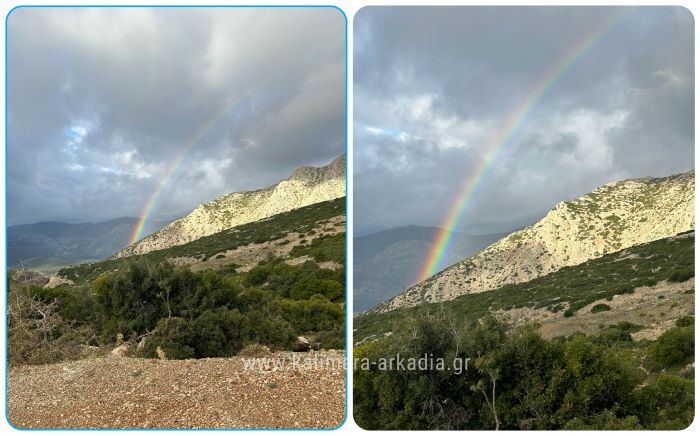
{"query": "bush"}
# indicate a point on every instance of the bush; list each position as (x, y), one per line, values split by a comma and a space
(187, 314)
(37, 333)
(676, 347)
(332, 339)
(685, 321)
(308, 286)
(681, 275)
(568, 313)
(218, 333)
(600, 308)
(611, 335)
(172, 337)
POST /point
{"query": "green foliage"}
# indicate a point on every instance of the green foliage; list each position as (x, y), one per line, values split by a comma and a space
(674, 348)
(580, 285)
(273, 228)
(324, 249)
(685, 321)
(682, 274)
(187, 314)
(580, 382)
(309, 286)
(129, 301)
(600, 308)
(172, 336)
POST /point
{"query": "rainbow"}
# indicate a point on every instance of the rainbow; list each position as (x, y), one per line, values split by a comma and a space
(174, 165)
(512, 125)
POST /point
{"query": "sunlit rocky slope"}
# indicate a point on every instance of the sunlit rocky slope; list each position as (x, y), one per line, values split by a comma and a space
(611, 218)
(306, 186)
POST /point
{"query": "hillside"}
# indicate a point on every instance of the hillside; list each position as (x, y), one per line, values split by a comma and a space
(292, 235)
(48, 246)
(611, 218)
(645, 272)
(306, 186)
(385, 263)
(277, 283)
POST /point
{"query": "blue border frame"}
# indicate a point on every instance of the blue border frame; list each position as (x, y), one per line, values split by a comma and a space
(347, 297)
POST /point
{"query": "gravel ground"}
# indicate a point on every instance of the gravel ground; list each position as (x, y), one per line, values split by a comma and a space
(110, 392)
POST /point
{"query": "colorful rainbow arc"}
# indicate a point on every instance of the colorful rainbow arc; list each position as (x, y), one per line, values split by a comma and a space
(173, 166)
(514, 122)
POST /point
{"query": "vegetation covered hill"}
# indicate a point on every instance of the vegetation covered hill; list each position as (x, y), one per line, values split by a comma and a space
(563, 292)
(611, 218)
(277, 229)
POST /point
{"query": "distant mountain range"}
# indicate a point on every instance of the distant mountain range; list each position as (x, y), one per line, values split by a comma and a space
(609, 219)
(306, 186)
(387, 262)
(48, 246)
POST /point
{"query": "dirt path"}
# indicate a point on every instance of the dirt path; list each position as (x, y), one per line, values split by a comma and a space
(113, 392)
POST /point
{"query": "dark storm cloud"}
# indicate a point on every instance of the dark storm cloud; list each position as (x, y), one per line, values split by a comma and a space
(101, 99)
(434, 85)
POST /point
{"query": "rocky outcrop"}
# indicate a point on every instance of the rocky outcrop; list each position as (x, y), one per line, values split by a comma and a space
(306, 186)
(613, 217)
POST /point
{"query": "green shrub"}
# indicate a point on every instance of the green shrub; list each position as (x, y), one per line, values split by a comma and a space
(600, 308)
(681, 275)
(685, 321)
(308, 286)
(676, 347)
(218, 333)
(172, 337)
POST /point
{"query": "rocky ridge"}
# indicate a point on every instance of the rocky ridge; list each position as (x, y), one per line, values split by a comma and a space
(307, 185)
(613, 217)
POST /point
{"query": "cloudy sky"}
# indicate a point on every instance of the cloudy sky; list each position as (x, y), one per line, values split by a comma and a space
(101, 101)
(433, 86)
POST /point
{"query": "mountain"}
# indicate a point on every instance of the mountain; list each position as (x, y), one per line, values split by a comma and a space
(385, 263)
(647, 286)
(609, 219)
(313, 233)
(47, 246)
(307, 185)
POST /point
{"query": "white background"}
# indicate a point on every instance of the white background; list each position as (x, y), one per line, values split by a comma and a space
(349, 7)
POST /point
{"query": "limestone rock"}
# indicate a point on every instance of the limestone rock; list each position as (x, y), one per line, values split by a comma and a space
(306, 186)
(611, 218)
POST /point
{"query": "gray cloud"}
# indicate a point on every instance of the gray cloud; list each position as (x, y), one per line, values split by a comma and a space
(434, 86)
(100, 100)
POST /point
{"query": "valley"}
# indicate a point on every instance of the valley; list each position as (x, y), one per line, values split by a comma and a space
(49, 246)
